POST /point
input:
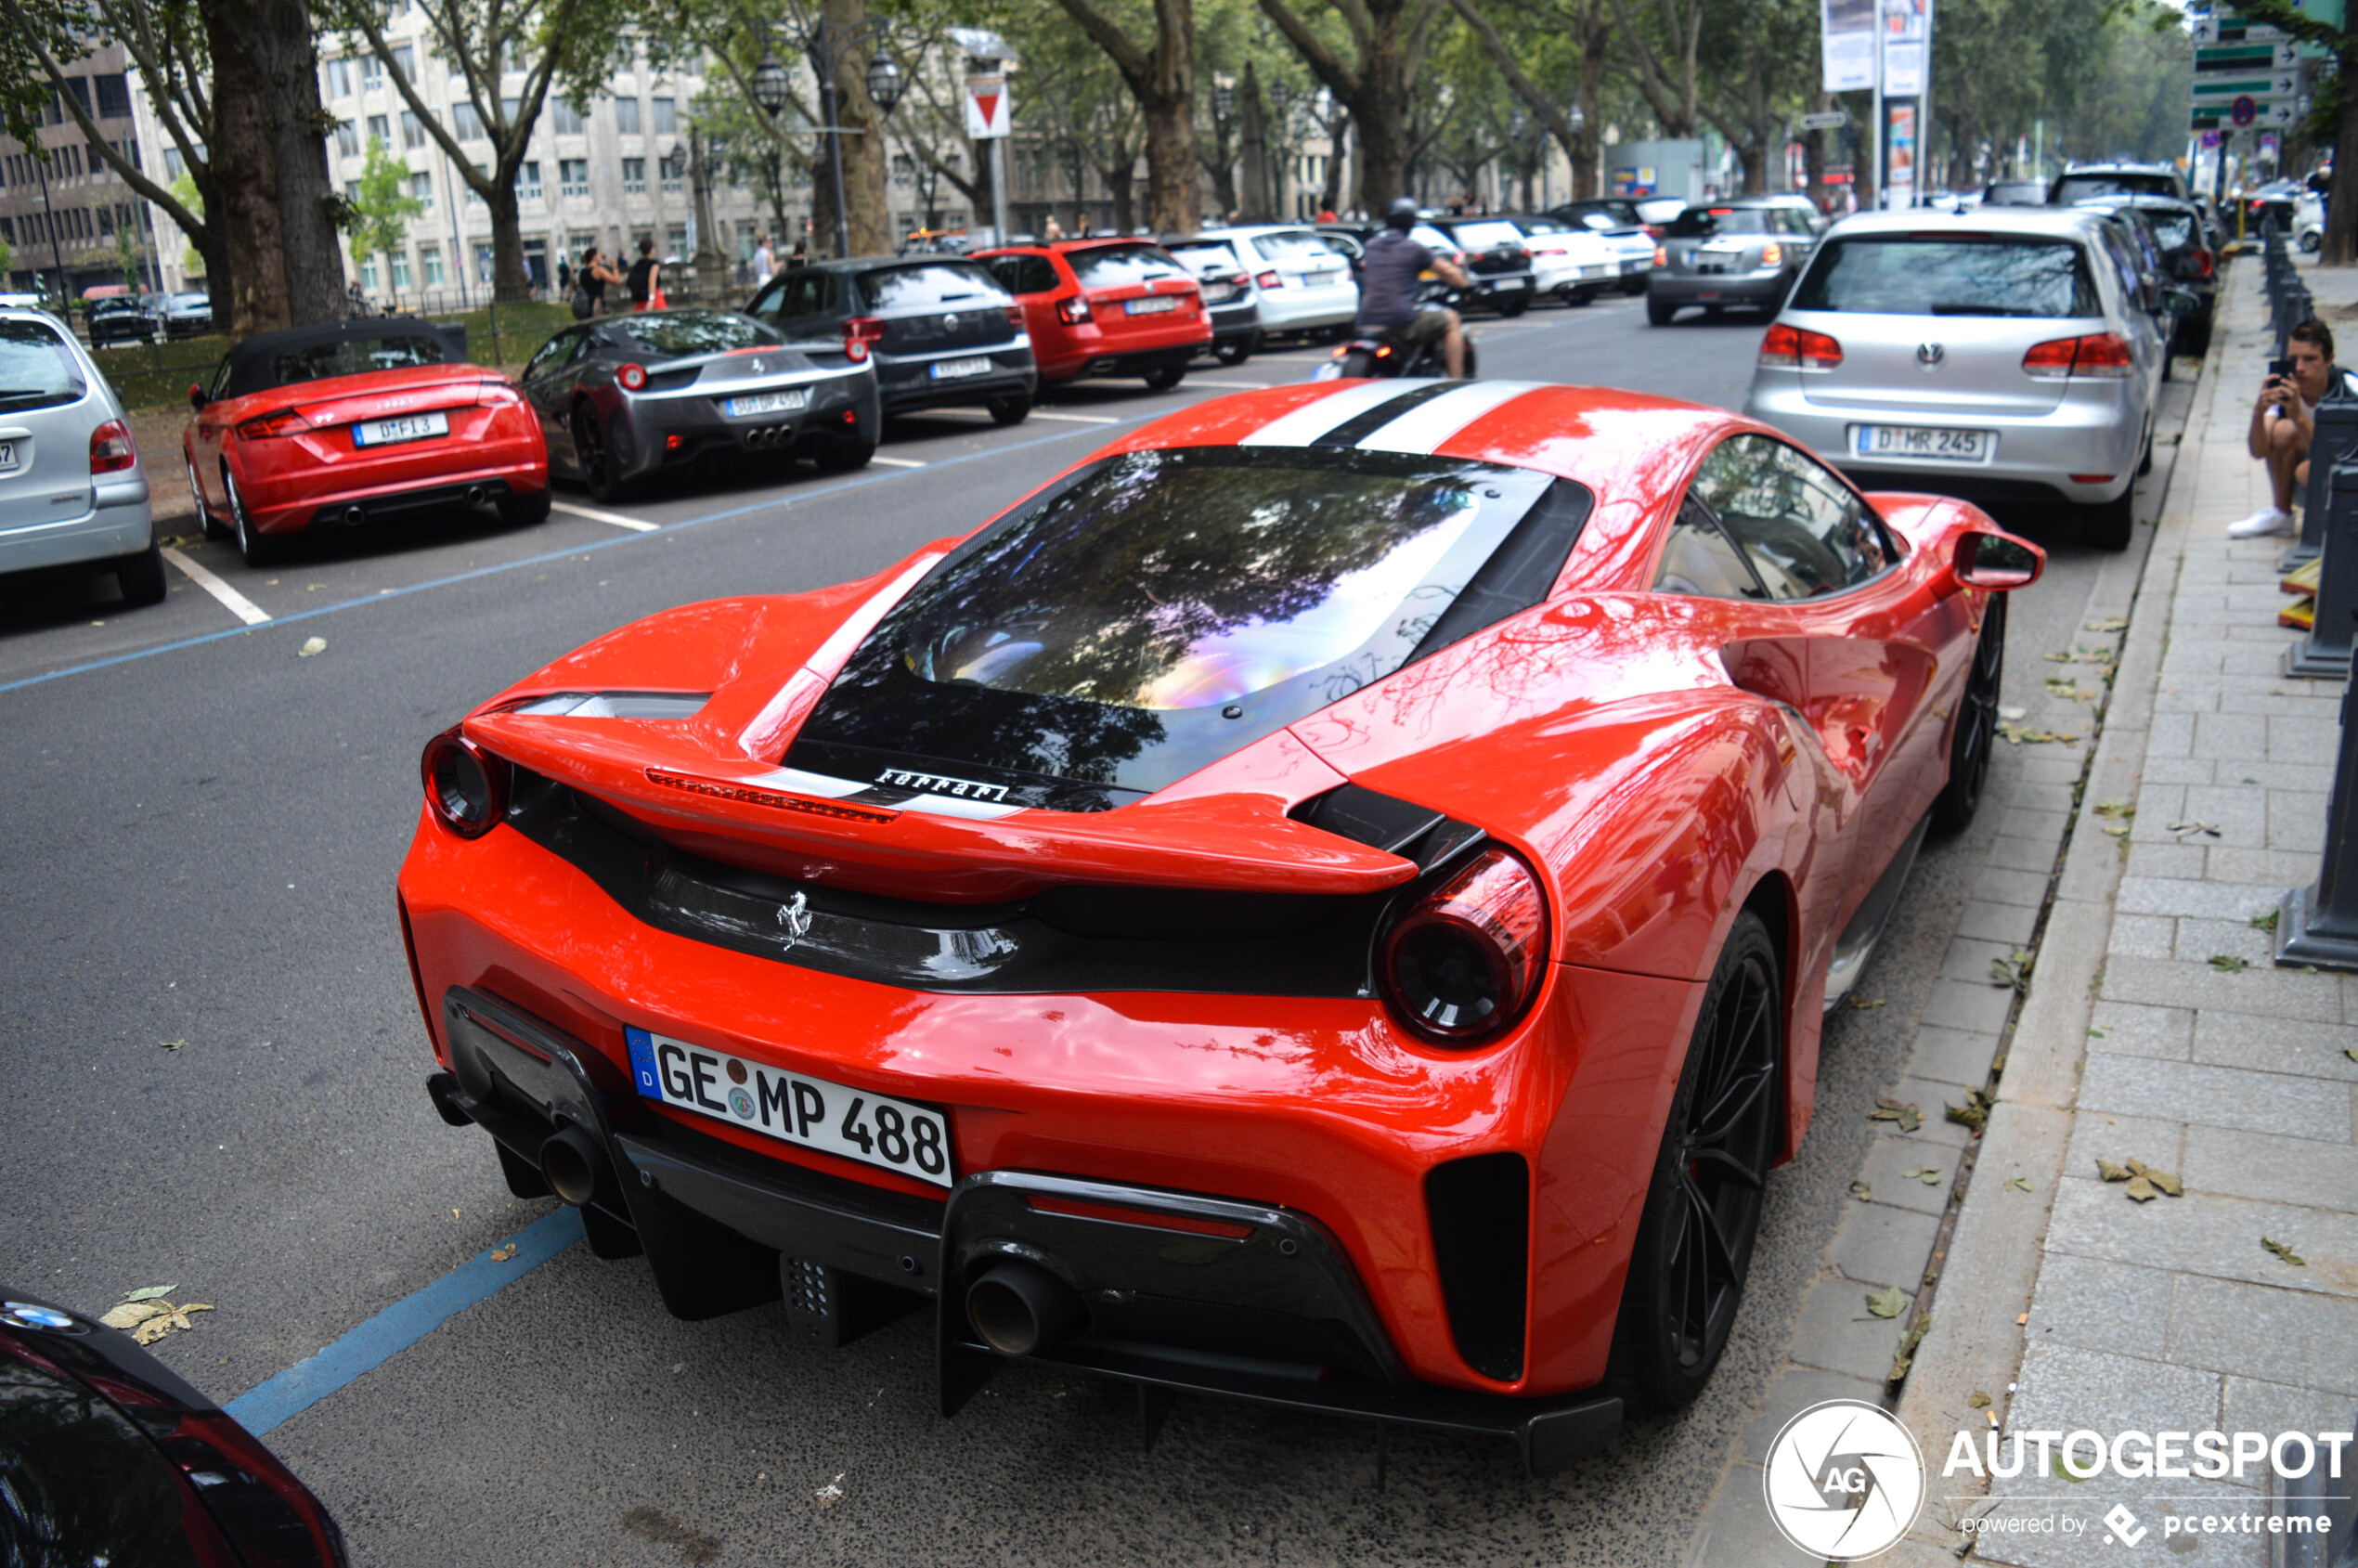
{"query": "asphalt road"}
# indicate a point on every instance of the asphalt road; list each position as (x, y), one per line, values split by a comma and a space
(212, 1070)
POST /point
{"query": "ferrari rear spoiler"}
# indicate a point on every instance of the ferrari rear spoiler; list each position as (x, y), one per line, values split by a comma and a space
(743, 810)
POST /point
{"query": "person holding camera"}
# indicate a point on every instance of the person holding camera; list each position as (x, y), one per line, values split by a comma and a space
(2284, 421)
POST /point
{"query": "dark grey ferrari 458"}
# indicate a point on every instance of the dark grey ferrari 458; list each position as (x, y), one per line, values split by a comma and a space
(624, 397)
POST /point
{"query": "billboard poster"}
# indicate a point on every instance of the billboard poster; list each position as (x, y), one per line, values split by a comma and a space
(1900, 159)
(1847, 30)
(1907, 30)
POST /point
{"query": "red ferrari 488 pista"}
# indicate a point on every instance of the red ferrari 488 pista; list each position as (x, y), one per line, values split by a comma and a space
(1329, 901)
(342, 424)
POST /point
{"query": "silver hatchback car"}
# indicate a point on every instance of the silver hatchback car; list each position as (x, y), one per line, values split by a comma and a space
(72, 491)
(2006, 353)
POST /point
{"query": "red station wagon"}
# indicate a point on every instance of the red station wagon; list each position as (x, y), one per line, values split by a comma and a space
(1106, 307)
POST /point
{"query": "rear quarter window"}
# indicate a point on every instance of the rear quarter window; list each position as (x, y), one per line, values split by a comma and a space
(1940, 275)
(38, 371)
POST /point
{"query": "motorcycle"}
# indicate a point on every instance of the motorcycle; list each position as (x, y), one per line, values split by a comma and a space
(1379, 353)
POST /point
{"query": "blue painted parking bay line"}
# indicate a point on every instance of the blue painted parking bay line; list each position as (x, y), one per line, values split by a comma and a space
(403, 1324)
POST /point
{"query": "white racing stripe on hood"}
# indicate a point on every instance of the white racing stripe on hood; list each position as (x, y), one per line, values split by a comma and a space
(1423, 429)
(1307, 423)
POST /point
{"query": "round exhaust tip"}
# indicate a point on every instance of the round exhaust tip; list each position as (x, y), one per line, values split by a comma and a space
(357, 515)
(477, 494)
(1019, 1306)
(569, 1164)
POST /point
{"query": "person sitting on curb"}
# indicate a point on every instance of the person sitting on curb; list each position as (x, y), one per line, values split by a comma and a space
(2284, 423)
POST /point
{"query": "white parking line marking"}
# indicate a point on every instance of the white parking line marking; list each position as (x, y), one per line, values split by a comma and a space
(1245, 386)
(636, 526)
(895, 463)
(238, 604)
(1074, 419)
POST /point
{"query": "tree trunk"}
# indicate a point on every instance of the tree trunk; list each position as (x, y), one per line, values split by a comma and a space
(1221, 165)
(867, 209)
(1259, 204)
(278, 36)
(1172, 204)
(1383, 149)
(1121, 184)
(240, 156)
(1338, 155)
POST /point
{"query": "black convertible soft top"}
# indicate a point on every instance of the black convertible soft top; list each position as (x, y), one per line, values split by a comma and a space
(302, 354)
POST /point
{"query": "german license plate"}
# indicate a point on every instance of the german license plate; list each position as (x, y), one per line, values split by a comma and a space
(1911, 441)
(1600, 271)
(1321, 280)
(1152, 304)
(9, 462)
(767, 402)
(1218, 293)
(412, 427)
(951, 370)
(793, 1107)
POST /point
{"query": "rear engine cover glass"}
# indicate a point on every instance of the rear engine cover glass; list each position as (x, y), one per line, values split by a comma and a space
(1160, 610)
(1936, 275)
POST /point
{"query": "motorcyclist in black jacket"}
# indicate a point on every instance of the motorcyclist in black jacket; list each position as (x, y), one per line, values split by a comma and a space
(1389, 287)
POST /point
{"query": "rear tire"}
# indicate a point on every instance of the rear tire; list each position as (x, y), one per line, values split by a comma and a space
(2109, 525)
(258, 549)
(1014, 409)
(523, 512)
(1695, 1234)
(213, 528)
(843, 456)
(1512, 308)
(1358, 362)
(1235, 351)
(1975, 736)
(1162, 377)
(141, 576)
(1660, 312)
(593, 455)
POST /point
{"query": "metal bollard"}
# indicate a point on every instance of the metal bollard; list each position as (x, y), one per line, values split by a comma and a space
(2337, 433)
(2318, 925)
(2324, 654)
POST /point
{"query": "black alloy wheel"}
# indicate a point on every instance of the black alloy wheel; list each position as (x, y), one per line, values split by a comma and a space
(1660, 313)
(1702, 1215)
(1013, 408)
(593, 456)
(844, 455)
(1235, 351)
(1162, 377)
(256, 548)
(1975, 736)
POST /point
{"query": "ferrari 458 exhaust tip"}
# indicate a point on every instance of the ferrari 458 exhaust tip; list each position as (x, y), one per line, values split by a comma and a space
(1017, 1306)
(569, 1162)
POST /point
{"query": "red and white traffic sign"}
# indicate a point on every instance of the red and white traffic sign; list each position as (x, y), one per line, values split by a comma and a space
(988, 113)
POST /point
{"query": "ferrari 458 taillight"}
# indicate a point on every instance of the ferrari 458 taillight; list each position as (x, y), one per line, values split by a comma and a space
(278, 421)
(111, 448)
(632, 377)
(1462, 962)
(466, 787)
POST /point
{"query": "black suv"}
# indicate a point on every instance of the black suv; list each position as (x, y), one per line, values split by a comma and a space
(125, 319)
(941, 329)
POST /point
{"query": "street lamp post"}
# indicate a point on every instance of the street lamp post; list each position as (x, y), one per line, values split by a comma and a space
(827, 52)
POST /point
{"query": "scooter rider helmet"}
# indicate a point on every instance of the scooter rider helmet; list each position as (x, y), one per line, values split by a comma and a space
(1402, 213)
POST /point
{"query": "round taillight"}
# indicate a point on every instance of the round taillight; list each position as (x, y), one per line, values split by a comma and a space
(632, 377)
(465, 784)
(1462, 962)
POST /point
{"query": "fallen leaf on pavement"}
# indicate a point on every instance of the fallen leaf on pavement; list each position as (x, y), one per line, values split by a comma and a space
(2015, 735)
(2143, 1191)
(2228, 964)
(1908, 1116)
(2353, 1055)
(2020, 1184)
(173, 1044)
(1929, 1175)
(1866, 1004)
(1978, 1400)
(2116, 809)
(312, 645)
(2111, 622)
(1889, 1302)
(504, 1253)
(2187, 829)
(1973, 1113)
(2013, 971)
(2265, 922)
(130, 1315)
(2284, 1251)
(2112, 1173)
(149, 1292)
(1861, 1191)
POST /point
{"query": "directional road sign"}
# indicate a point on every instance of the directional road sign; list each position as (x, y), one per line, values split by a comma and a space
(2247, 58)
(2260, 87)
(2228, 27)
(1832, 119)
(2276, 113)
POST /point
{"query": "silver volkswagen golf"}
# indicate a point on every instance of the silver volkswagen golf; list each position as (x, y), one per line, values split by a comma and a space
(72, 491)
(2006, 354)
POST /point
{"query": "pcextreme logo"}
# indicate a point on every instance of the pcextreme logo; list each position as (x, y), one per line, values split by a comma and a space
(1843, 1481)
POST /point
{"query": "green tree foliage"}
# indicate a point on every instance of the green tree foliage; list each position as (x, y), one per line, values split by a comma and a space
(2341, 247)
(378, 210)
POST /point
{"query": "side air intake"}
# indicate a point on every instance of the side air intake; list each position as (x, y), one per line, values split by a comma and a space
(1480, 1208)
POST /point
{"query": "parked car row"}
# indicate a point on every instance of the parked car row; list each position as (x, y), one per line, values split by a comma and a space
(149, 318)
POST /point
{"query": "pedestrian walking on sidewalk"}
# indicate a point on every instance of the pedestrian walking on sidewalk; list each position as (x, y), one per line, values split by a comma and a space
(646, 279)
(2284, 422)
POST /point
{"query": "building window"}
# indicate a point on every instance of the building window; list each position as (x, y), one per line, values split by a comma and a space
(468, 122)
(80, 88)
(339, 79)
(404, 62)
(372, 73)
(413, 133)
(573, 176)
(400, 270)
(174, 165)
(634, 176)
(675, 240)
(528, 180)
(667, 122)
(421, 188)
(380, 129)
(565, 117)
(626, 116)
(114, 97)
(669, 169)
(430, 265)
(744, 239)
(368, 273)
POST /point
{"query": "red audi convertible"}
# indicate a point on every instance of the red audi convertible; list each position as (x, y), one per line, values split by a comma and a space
(359, 420)
(1329, 902)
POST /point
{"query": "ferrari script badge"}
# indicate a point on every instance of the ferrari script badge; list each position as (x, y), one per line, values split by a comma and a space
(795, 917)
